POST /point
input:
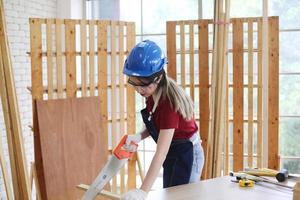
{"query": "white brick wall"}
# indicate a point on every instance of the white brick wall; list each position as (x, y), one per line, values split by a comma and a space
(17, 18)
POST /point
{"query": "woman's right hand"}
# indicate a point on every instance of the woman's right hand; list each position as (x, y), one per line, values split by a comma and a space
(132, 140)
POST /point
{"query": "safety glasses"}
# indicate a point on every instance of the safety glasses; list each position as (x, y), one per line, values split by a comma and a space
(141, 83)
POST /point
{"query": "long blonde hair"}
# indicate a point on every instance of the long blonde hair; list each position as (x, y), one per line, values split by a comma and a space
(178, 98)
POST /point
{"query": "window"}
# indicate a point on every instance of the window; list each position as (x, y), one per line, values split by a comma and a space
(151, 16)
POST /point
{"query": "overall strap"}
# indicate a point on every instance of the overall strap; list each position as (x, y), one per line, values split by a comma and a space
(156, 100)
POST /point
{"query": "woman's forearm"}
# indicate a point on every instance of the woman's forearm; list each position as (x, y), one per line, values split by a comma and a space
(163, 144)
(153, 171)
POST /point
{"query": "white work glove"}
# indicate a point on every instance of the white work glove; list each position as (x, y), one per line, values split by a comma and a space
(131, 140)
(135, 194)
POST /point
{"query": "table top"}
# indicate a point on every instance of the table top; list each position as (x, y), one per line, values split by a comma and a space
(223, 188)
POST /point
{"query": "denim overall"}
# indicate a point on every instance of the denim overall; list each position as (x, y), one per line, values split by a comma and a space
(179, 160)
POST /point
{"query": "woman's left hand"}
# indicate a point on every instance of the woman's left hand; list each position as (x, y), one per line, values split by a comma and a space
(135, 194)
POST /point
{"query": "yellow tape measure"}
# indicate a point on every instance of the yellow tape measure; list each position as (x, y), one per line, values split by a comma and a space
(246, 183)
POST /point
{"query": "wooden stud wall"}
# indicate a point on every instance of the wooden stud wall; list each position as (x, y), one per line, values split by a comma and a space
(201, 68)
(96, 50)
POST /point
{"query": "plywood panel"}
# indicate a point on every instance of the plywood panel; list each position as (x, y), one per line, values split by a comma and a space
(72, 144)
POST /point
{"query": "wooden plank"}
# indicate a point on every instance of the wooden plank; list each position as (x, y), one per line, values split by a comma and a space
(36, 183)
(122, 99)
(273, 124)
(5, 175)
(70, 38)
(130, 105)
(238, 96)
(12, 118)
(37, 93)
(78, 21)
(182, 55)
(259, 95)
(49, 58)
(171, 49)
(58, 35)
(92, 58)
(104, 195)
(250, 94)
(36, 59)
(204, 86)
(70, 130)
(114, 137)
(102, 78)
(6, 114)
(192, 62)
(83, 40)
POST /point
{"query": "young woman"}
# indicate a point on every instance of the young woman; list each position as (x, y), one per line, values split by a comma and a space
(169, 120)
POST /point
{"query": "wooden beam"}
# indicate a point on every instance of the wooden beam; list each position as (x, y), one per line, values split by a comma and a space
(171, 49)
(70, 37)
(273, 94)
(238, 96)
(204, 88)
(104, 195)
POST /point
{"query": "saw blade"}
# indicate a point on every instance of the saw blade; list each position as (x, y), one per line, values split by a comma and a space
(111, 168)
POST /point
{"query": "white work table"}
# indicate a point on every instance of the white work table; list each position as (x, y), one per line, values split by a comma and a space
(222, 188)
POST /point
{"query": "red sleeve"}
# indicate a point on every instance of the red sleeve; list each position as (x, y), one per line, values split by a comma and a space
(168, 118)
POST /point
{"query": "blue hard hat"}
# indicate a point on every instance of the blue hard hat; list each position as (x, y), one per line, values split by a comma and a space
(144, 60)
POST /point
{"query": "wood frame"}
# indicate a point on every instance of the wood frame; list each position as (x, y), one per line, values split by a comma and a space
(102, 44)
(174, 49)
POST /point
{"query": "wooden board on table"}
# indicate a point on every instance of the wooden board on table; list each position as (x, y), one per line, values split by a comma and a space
(221, 188)
(72, 147)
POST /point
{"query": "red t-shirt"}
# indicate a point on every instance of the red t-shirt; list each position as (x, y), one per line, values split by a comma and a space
(164, 117)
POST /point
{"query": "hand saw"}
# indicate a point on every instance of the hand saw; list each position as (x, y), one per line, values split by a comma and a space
(115, 163)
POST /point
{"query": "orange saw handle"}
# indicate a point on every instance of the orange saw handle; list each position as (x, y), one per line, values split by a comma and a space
(121, 153)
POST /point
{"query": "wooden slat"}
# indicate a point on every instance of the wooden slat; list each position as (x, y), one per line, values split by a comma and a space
(113, 96)
(122, 97)
(49, 58)
(5, 175)
(171, 49)
(259, 95)
(59, 76)
(36, 59)
(102, 78)
(226, 141)
(238, 96)
(104, 195)
(78, 21)
(203, 85)
(273, 125)
(70, 58)
(37, 93)
(192, 62)
(91, 58)
(83, 40)
(182, 55)
(250, 94)
(130, 101)
(36, 183)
